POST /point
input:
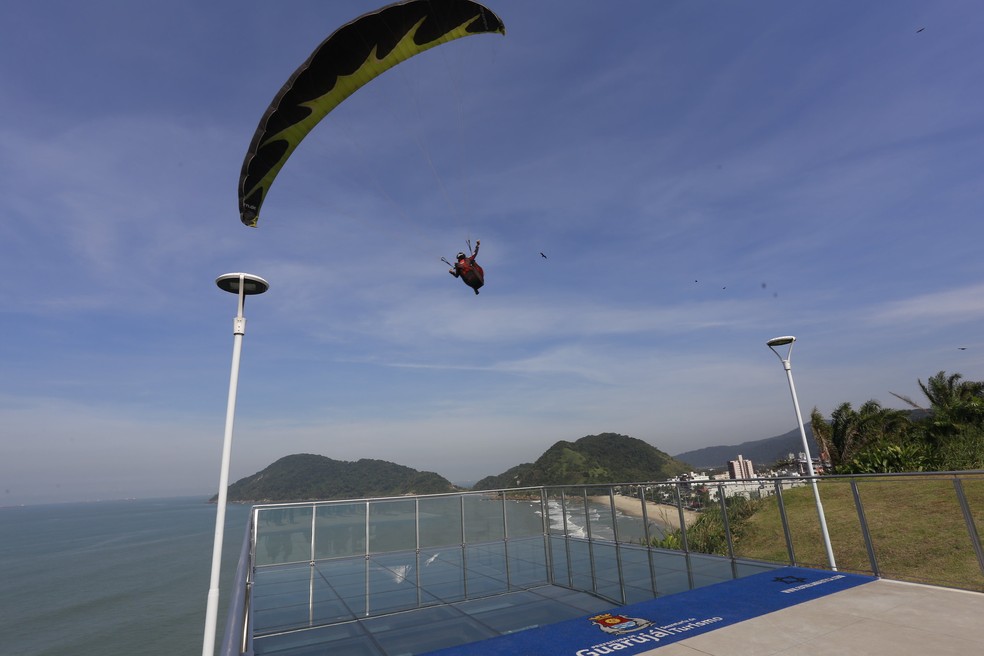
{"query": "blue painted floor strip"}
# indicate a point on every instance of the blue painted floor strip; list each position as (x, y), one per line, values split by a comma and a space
(649, 624)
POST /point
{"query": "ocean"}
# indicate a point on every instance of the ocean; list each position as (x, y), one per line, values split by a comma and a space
(112, 578)
(130, 578)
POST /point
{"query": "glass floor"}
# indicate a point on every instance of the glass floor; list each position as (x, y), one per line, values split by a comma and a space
(412, 603)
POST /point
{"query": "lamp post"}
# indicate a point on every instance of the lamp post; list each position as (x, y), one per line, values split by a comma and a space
(772, 344)
(243, 285)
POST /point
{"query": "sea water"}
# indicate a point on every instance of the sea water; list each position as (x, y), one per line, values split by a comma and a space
(111, 578)
(594, 520)
(131, 578)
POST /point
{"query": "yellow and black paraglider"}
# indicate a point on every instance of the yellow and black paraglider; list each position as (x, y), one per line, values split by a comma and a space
(352, 56)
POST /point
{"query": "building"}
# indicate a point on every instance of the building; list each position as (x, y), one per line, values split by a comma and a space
(741, 468)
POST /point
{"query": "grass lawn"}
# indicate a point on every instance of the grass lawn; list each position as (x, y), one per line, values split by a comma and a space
(918, 531)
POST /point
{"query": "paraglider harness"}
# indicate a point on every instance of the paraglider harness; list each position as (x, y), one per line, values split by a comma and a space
(467, 268)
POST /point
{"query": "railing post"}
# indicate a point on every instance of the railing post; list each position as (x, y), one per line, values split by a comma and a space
(464, 549)
(725, 520)
(545, 527)
(726, 523)
(683, 537)
(367, 558)
(314, 515)
(567, 537)
(618, 545)
(587, 529)
(865, 533)
(785, 524)
(611, 509)
(975, 540)
(649, 539)
(416, 550)
(683, 520)
(505, 540)
(645, 515)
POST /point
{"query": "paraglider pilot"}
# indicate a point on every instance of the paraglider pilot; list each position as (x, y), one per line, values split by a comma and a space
(468, 270)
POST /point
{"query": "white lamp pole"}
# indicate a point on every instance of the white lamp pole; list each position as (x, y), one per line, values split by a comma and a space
(241, 284)
(772, 344)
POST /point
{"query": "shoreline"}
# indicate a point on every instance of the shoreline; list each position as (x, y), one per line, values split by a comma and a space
(663, 514)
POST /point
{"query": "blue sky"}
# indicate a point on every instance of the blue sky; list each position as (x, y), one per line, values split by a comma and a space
(702, 176)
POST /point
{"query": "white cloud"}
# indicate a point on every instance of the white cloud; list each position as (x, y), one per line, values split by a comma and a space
(951, 306)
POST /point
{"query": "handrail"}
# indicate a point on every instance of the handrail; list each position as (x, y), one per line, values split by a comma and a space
(236, 639)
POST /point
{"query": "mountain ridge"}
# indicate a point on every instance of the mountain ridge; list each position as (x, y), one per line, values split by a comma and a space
(309, 477)
(603, 458)
(766, 451)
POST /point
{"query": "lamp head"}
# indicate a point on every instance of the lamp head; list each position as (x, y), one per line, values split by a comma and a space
(780, 341)
(252, 285)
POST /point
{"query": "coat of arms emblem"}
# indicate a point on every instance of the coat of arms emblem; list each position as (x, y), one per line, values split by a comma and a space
(619, 624)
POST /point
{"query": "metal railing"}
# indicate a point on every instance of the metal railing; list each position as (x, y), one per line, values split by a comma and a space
(920, 527)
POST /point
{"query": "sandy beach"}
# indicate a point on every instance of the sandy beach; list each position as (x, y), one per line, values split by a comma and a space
(663, 514)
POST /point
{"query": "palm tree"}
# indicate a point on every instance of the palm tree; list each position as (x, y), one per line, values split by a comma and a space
(851, 432)
(954, 404)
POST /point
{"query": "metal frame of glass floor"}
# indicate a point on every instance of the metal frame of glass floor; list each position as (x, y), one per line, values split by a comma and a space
(411, 575)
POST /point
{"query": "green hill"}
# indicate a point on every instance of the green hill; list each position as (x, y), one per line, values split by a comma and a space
(605, 458)
(305, 477)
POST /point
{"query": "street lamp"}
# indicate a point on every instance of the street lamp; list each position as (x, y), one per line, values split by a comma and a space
(772, 344)
(243, 285)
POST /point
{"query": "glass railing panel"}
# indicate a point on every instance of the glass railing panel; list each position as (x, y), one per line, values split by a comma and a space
(662, 512)
(420, 632)
(606, 566)
(600, 518)
(527, 562)
(562, 504)
(392, 525)
(843, 526)
(347, 578)
(483, 517)
(440, 521)
(973, 489)
(637, 574)
(763, 535)
(706, 533)
(707, 570)
(582, 575)
(442, 573)
(524, 515)
(340, 530)
(629, 516)
(925, 510)
(671, 571)
(561, 571)
(766, 535)
(348, 638)
(485, 569)
(393, 583)
(804, 520)
(744, 568)
(283, 535)
(306, 600)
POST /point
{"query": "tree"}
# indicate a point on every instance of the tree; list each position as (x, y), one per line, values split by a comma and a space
(953, 431)
(850, 432)
(950, 435)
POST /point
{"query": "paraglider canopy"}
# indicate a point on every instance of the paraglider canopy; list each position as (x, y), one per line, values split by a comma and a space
(345, 61)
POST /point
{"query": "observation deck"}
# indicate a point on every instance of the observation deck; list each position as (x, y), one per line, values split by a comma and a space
(575, 570)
